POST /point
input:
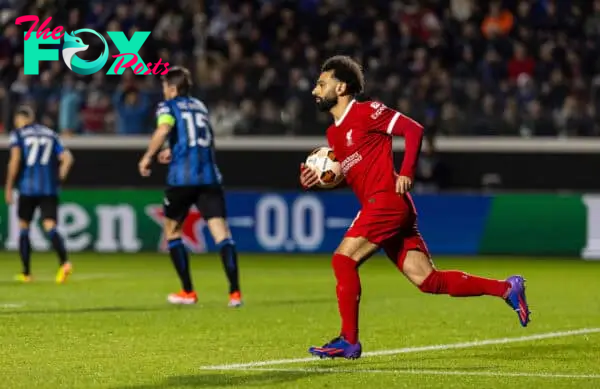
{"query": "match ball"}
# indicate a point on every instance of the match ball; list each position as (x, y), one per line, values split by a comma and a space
(323, 161)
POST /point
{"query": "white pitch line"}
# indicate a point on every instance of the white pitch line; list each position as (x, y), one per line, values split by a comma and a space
(426, 372)
(406, 350)
(96, 276)
(11, 305)
(78, 277)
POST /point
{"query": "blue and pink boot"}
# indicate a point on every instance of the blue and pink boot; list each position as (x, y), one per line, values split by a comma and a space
(338, 348)
(516, 298)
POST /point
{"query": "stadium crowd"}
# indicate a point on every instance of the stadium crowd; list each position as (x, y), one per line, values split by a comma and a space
(461, 67)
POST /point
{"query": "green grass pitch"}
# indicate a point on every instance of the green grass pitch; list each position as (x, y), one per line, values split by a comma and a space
(111, 327)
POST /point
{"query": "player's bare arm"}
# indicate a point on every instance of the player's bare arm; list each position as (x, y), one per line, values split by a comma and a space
(66, 163)
(12, 172)
(158, 139)
(164, 156)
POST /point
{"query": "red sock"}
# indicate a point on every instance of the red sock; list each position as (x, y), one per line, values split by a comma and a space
(459, 284)
(348, 294)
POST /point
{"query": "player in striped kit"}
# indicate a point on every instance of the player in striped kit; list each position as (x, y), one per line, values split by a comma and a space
(193, 179)
(38, 163)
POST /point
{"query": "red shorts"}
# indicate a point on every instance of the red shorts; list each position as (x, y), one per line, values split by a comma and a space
(389, 221)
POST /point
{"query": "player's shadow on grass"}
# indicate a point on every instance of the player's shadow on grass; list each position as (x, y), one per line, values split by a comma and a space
(83, 310)
(288, 302)
(413, 365)
(506, 353)
(550, 352)
(226, 379)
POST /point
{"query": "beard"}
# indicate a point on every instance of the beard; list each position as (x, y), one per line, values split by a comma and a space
(326, 103)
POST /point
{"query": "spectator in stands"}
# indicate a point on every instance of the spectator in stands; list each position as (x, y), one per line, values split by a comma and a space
(462, 66)
(574, 119)
(70, 105)
(498, 22)
(592, 22)
(132, 108)
(43, 91)
(520, 63)
(536, 122)
(511, 118)
(96, 115)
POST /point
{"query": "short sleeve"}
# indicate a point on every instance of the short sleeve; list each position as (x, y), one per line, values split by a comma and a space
(58, 145)
(14, 140)
(164, 114)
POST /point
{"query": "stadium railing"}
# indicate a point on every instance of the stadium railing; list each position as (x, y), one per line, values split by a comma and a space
(299, 143)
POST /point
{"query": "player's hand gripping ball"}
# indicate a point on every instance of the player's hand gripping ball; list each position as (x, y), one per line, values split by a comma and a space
(329, 170)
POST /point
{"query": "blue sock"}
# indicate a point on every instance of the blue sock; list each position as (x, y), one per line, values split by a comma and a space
(179, 257)
(229, 259)
(58, 244)
(25, 250)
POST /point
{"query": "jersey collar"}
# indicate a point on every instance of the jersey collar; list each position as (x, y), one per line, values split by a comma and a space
(350, 104)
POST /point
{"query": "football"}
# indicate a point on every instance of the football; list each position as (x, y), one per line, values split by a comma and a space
(329, 169)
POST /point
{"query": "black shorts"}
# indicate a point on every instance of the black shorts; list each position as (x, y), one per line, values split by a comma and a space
(28, 204)
(210, 201)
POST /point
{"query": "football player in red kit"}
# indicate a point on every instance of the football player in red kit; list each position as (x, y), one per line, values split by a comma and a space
(361, 137)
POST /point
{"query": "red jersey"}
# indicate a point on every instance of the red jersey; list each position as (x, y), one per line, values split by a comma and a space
(362, 141)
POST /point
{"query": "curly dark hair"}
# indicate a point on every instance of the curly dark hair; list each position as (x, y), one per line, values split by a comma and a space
(347, 71)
